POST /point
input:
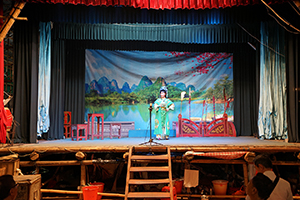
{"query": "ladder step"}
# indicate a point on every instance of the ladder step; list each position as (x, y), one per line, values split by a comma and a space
(149, 157)
(148, 194)
(150, 169)
(148, 181)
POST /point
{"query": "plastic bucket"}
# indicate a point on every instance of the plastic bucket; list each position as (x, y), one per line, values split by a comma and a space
(220, 187)
(100, 188)
(178, 185)
(90, 192)
(167, 189)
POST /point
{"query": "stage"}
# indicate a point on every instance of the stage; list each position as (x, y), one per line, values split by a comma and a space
(177, 144)
(59, 158)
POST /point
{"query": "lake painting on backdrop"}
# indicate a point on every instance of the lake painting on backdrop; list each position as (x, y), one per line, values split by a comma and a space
(122, 84)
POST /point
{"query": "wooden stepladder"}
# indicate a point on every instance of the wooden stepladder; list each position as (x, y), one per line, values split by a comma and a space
(130, 180)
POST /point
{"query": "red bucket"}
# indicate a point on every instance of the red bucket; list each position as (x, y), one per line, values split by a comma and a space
(90, 192)
(167, 189)
(178, 185)
(100, 188)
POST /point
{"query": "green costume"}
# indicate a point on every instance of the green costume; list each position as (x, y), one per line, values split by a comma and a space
(162, 126)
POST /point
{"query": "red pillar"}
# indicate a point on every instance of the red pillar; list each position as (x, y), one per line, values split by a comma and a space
(2, 113)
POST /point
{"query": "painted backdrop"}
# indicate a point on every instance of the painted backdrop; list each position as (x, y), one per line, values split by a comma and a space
(122, 84)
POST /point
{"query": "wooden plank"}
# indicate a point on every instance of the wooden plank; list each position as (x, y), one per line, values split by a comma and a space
(148, 181)
(149, 195)
(150, 169)
(150, 157)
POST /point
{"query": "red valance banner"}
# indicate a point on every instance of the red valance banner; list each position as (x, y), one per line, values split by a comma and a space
(161, 4)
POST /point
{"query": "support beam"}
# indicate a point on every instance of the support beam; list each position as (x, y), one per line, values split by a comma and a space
(14, 13)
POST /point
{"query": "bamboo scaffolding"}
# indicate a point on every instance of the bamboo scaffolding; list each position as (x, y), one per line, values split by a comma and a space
(122, 149)
(218, 196)
(92, 162)
(58, 163)
(79, 192)
(13, 15)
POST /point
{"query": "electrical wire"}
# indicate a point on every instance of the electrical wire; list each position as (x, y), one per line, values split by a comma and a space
(261, 42)
(281, 23)
(296, 10)
(280, 17)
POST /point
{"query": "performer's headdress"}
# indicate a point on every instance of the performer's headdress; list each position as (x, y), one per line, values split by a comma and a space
(165, 89)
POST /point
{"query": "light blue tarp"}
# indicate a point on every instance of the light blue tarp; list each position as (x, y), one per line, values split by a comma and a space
(43, 123)
(272, 119)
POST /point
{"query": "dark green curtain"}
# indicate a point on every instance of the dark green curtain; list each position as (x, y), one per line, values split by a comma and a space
(75, 81)
(26, 60)
(293, 86)
(191, 34)
(57, 90)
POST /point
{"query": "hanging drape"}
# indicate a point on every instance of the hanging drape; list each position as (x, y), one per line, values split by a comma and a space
(75, 81)
(44, 78)
(272, 120)
(160, 4)
(293, 74)
(26, 44)
(57, 98)
(199, 34)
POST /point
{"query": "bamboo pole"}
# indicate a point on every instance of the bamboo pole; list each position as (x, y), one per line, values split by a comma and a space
(17, 18)
(82, 175)
(123, 149)
(211, 196)
(245, 170)
(14, 13)
(79, 192)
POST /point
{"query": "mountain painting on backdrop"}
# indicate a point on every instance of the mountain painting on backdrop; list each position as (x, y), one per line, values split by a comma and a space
(122, 84)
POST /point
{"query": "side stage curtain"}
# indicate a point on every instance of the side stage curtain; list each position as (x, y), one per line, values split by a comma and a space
(246, 89)
(293, 72)
(159, 4)
(26, 60)
(75, 81)
(272, 120)
(56, 130)
(44, 78)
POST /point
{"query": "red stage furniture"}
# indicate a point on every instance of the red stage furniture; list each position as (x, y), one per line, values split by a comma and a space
(67, 123)
(220, 127)
(77, 128)
(115, 126)
(91, 123)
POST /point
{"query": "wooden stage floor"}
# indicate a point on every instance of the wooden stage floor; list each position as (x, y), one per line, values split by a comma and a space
(180, 144)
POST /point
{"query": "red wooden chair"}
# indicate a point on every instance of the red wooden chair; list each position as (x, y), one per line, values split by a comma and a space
(67, 123)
